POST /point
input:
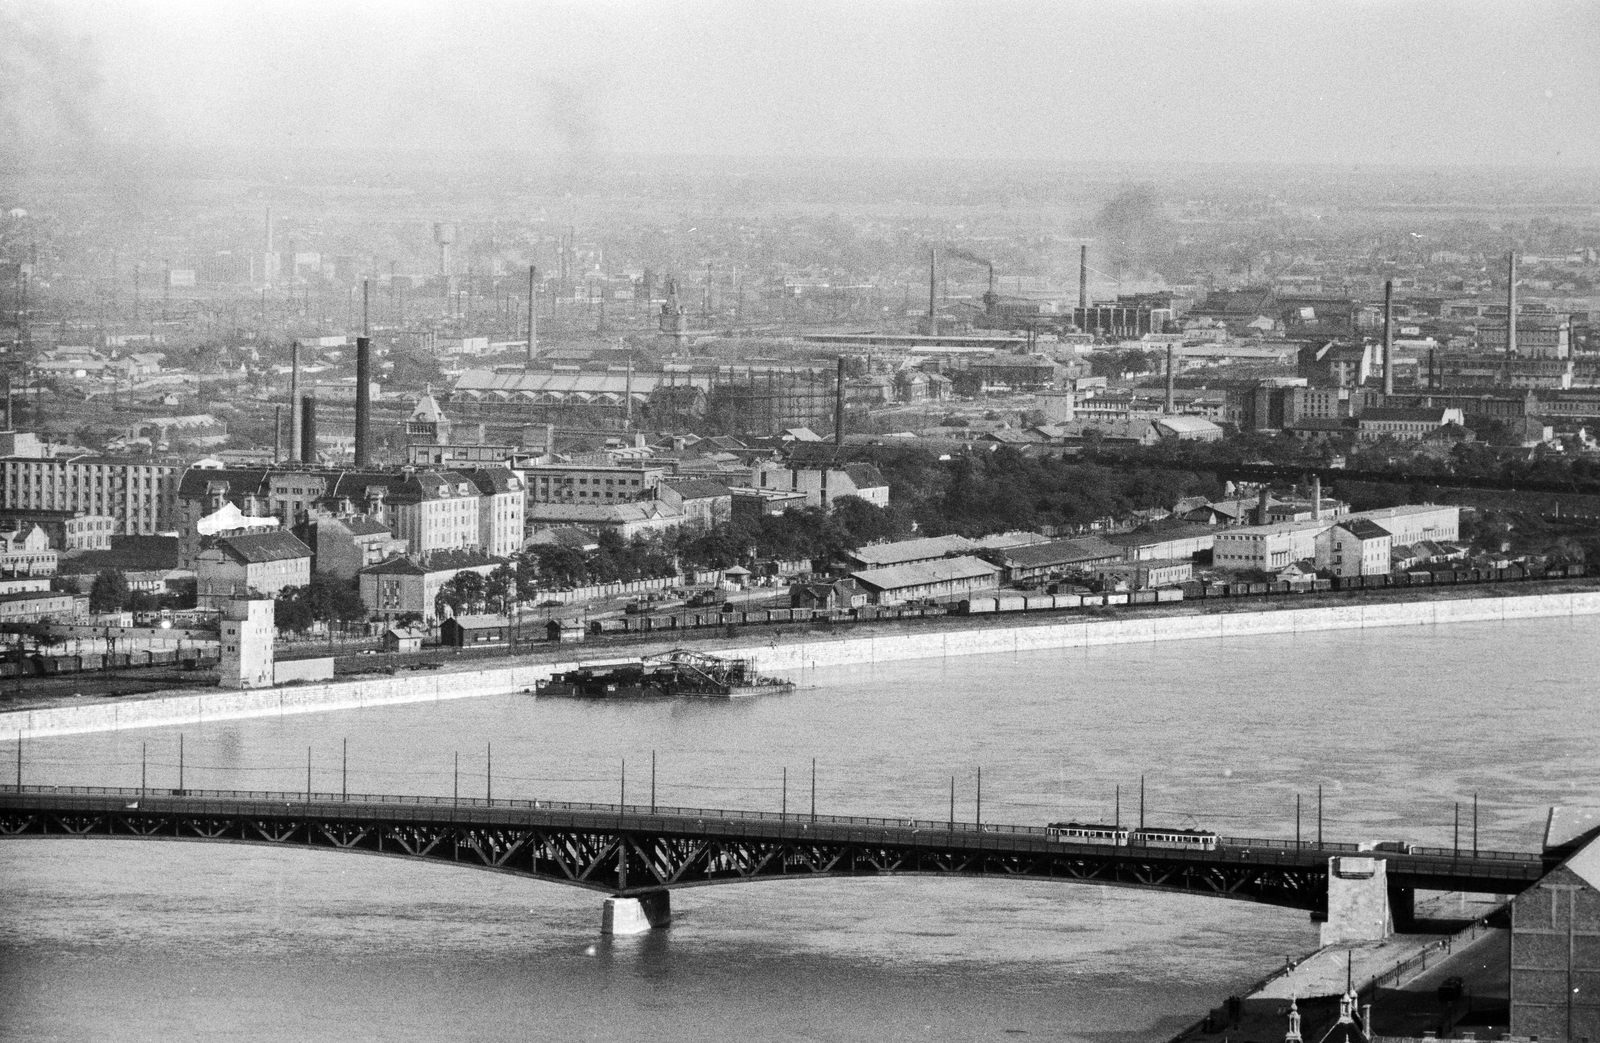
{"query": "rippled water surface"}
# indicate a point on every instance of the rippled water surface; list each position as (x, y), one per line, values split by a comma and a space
(142, 941)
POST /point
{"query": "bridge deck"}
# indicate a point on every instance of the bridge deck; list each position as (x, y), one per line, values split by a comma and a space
(634, 848)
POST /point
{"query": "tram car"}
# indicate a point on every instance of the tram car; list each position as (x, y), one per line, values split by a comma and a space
(1087, 833)
(1122, 836)
(1177, 839)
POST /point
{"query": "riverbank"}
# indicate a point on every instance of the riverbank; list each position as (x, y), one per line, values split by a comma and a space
(793, 653)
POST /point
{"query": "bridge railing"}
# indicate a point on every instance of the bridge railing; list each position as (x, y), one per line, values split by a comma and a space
(1266, 846)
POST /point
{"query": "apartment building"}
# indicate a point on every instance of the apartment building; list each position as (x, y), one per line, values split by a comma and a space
(431, 510)
(140, 495)
(587, 484)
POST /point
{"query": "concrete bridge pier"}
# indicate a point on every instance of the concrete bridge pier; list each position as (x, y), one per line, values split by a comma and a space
(638, 914)
(1358, 901)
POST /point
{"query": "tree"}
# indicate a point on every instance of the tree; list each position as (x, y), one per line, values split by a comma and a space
(109, 592)
(291, 610)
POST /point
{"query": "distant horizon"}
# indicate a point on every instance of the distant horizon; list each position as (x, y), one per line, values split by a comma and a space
(1412, 84)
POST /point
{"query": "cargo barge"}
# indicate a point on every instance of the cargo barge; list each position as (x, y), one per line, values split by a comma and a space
(674, 674)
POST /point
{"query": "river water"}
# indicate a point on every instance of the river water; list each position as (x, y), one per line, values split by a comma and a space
(161, 941)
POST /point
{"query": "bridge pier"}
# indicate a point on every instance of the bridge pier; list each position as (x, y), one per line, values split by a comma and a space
(1358, 901)
(621, 915)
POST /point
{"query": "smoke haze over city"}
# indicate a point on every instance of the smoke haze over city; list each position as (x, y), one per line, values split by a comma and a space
(1419, 83)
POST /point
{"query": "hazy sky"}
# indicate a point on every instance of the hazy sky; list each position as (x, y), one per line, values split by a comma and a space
(1510, 81)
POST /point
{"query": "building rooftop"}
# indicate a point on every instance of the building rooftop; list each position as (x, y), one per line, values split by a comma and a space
(258, 547)
(1364, 529)
(1060, 552)
(699, 489)
(881, 555)
(923, 573)
(865, 476)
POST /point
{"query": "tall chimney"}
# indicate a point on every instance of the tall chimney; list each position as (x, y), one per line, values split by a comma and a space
(1431, 378)
(1170, 395)
(1316, 497)
(266, 257)
(1388, 338)
(933, 289)
(363, 397)
(277, 434)
(1511, 304)
(308, 428)
(1083, 279)
(533, 321)
(294, 403)
(1262, 506)
(838, 405)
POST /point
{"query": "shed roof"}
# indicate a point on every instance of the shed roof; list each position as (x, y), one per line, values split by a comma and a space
(900, 552)
(481, 621)
(1061, 552)
(925, 573)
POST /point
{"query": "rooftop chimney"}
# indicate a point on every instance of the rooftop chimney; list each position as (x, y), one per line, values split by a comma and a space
(1388, 338)
(1170, 396)
(363, 398)
(933, 289)
(308, 431)
(294, 403)
(1511, 303)
(838, 405)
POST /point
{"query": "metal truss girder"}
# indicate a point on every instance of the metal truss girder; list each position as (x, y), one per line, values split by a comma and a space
(209, 829)
(276, 832)
(78, 825)
(16, 825)
(142, 825)
(344, 837)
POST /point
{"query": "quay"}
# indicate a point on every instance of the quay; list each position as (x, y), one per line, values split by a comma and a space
(790, 654)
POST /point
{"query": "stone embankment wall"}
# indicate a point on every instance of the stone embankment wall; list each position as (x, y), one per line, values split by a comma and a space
(802, 653)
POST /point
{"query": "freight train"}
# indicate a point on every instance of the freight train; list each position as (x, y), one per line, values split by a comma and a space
(40, 665)
(727, 616)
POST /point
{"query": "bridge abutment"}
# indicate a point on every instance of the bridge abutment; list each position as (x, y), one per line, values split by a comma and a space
(636, 915)
(1358, 901)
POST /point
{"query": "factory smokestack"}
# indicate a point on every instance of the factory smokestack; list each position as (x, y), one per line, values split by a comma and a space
(533, 321)
(933, 289)
(1316, 497)
(363, 398)
(1170, 395)
(308, 428)
(294, 402)
(1263, 504)
(838, 405)
(1388, 337)
(1083, 277)
(1511, 304)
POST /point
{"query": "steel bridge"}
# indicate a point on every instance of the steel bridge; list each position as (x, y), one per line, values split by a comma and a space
(640, 850)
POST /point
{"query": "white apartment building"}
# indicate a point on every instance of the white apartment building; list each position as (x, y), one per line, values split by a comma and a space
(1272, 547)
